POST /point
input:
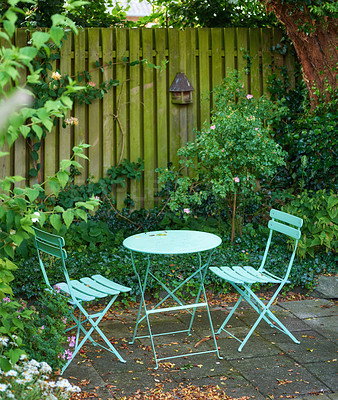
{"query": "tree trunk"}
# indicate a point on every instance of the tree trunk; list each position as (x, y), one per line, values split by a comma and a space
(315, 43)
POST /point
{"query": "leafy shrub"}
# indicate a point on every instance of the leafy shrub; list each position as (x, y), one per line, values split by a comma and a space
(45, 332)
(228, 157)
(320, 214)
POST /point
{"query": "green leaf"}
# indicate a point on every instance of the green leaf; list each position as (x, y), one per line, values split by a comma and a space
(29, 52)
(55, 186)
(9, 250)
(81, 213)
(58, 209)
(62, 177)
(38, 130)
(9, 28)
(32, 194)
(21, 203)
(4, 153)
(4, 36)
(5, 365)
(25, 130)
(56, 34)
(40, 38)
(18, 323)
(55, 220)
(15, 354)
(68, 217)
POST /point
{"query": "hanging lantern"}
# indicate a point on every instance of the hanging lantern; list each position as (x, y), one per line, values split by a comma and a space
(181, 90)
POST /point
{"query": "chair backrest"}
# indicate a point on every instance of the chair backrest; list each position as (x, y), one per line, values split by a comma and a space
(52, 245)
(288, 225)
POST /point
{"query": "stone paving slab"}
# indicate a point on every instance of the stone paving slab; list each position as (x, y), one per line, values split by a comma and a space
(270, 365)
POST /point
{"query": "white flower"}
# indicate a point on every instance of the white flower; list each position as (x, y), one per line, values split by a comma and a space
(34, 363)
(10, 395)
(23, 357)
(11, 373)
(63, 383)
(4, 340)
(36, 219)
(20, 381)
(45, 368)
(3, 387)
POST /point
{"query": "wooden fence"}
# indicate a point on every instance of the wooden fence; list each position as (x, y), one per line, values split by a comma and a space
(137, 118)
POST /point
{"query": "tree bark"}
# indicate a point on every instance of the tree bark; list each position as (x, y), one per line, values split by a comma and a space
(315, 43)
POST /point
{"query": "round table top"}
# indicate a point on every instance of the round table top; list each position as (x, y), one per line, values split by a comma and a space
(172, 242)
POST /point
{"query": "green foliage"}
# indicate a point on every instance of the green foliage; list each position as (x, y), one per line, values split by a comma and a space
(14, 316)
(229, 156)
(45, 333)
(309, 138)
(212, 14)
(319, 211)
(71, 194)
(88, 235)
(6, 276)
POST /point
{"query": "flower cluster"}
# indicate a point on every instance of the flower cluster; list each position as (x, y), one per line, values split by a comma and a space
(28, 377)
(72, 121)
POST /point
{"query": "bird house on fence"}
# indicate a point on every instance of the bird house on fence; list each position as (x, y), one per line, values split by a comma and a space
(181, 90)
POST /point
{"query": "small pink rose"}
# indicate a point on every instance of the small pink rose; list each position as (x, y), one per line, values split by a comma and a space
(213, 127)
(249, 96)
(186, 210)
(236, 179)
(256, 129)
(92, 84)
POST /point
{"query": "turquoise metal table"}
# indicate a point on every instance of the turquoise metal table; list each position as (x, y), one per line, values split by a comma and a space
(172, 242)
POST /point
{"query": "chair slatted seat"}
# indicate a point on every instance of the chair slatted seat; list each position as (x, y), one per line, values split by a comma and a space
(79, 292)
(242, 278)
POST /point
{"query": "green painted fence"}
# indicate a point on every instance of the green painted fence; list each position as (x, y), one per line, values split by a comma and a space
(137, 119)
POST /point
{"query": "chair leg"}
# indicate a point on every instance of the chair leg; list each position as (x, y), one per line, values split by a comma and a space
(88, 333)
(230, 315)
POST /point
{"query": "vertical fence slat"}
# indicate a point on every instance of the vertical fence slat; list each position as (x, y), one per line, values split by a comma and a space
(107, 102)
(121, 109)
(191, 69)
(242, 54)
(50, 144)
(217, 57)
(255, 74)
(80, 110)
(204, 75)
(229, 44)
(162, 97)
(65, 142)
(21, 150)
(136, 191)
(94, 114)
(149, 150)
(266, 57)
(173, 67)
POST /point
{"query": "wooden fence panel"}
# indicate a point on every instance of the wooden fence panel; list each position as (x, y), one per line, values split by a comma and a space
(137, 119)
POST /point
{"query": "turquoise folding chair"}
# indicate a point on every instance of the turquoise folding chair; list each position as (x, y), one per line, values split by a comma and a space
(242, 278)
(79, 292)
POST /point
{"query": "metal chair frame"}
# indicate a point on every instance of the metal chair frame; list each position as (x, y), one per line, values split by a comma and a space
(78, 292)
(242, 278)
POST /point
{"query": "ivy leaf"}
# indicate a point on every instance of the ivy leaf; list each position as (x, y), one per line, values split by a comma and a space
(55, 220)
